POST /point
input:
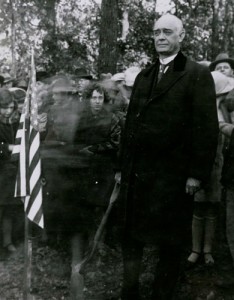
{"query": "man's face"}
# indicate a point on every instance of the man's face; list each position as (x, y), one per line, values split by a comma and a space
(96, 101)
(167, 37)
(82, 83)
(225, 68)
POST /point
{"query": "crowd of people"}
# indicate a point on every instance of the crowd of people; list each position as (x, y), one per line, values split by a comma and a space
(164, 133)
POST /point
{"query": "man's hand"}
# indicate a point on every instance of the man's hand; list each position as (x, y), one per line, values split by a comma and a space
(86, 151)
(10, 147)
(192, 186)
(118, 177)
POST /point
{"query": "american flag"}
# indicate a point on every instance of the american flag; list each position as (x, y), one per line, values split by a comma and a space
(27, 149)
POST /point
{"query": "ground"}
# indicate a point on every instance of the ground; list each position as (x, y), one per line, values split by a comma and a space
(103, 274)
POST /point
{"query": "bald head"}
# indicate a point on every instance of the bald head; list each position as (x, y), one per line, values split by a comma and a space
(170, 20)
(168, 34)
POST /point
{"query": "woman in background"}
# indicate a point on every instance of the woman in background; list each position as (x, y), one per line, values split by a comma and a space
(9, 119)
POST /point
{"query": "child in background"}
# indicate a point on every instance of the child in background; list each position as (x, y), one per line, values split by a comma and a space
(206, 200)
(9, 119)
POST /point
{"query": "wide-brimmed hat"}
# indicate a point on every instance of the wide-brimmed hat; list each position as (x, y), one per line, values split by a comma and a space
(118, 77)
(82, 73)
(205, 63)
(223, 83)
(130, 75)
(18, 94)
(222, 57)
(42, 75)
(105, 76)
(8, 78)
(62, 85)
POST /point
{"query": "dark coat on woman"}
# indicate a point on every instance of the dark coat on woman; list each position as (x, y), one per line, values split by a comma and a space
(8, 169)
(78, 181)
(170, 135)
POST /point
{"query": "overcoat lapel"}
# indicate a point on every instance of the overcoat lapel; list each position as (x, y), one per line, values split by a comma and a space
(173, 74)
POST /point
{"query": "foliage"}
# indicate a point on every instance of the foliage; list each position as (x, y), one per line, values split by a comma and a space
(138, 46)
(66, 33)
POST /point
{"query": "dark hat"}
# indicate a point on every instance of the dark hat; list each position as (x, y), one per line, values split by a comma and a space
(82, 73)
(8, 78)
(2, 79)
(22, 84)
(18, 94)
(222, 57)
(41, 75)
(6, 97)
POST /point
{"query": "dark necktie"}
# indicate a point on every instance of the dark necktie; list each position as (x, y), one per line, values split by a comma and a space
(161, 71)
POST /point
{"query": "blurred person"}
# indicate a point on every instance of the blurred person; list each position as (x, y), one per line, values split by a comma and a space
(207, 199)
(83, 164)
(124, 82)
(44, 101)
(9, 120)
(168, 150)
(226, 106)
(224, 64)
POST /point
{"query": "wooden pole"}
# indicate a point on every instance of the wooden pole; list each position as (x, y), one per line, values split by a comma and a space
(27, 259)
(79, 267)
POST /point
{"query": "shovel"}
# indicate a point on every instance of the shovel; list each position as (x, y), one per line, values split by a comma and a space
(79, 267)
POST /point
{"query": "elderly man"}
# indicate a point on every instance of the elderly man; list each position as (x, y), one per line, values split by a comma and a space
(168, 150)
(224, 64)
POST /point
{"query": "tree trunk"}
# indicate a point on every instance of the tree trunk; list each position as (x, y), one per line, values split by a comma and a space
(13, 39)
(215, 29)
(108, 47)
(229, 28)
(51, 14)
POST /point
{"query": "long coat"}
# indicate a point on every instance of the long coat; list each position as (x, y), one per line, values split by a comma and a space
(171, 134)
(8, 169)
(84, 180)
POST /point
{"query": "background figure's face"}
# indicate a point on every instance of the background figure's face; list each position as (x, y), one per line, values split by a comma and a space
(167, 37)
(20, 106)
(96, 101)
(225, 68)
(82, 83)
(59, 97)
(7, 110)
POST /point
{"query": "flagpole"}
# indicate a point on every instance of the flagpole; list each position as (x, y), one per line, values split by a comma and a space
(27, 259)
(28, 179)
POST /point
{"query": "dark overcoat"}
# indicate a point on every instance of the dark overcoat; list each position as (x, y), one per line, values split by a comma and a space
(78, 184)
(171, 134)
(8, 168)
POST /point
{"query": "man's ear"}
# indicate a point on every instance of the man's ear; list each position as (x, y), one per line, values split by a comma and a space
(181, 35)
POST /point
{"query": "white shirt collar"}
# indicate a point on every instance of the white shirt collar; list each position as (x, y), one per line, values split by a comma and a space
(167, 60)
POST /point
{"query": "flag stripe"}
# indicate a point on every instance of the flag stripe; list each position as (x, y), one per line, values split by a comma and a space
(33, 196)
(27, 148)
